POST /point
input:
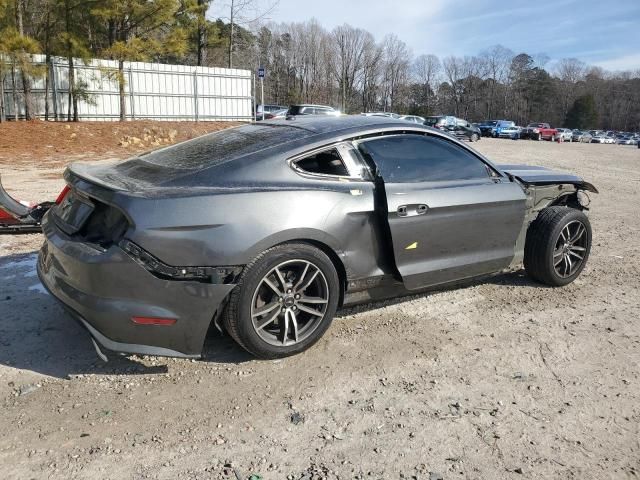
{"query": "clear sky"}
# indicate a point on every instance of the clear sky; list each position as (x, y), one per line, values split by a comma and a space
(598, 32)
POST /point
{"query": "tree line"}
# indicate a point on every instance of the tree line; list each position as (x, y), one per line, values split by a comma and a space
(345, 67)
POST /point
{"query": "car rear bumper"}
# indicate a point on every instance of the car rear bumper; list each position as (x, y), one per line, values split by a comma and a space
(105, 289)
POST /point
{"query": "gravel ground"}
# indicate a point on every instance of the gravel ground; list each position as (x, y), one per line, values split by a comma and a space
(502, 379)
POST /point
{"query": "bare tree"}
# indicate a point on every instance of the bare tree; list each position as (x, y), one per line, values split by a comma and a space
(350, 44)
(246, 13)
(426, 72)
(569, 71)
(395, 76)
(497, 60)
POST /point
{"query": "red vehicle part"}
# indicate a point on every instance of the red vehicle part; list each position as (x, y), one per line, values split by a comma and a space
(16, 217)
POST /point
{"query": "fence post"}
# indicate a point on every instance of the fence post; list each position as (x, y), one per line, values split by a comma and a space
(195, 95)
(131, 93)
(54, 87)
(253, 102)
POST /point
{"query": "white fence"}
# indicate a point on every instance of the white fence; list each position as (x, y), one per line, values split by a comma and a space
(152, 91)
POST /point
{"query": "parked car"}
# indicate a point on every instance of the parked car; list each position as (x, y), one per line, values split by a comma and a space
(601, 138)
(296, 110)
(266, 229)
(464, 131)
(441, 121)
(539, 131)
(267, 109)
(581, 136)
(486, 127)
(565, 134)
(413, 119)
(381, 114)
(624, 140)
(512, 132)
(277, 115)
(500, 126)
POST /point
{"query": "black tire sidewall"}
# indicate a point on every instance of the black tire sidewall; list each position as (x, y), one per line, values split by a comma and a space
(249, 338)
(550, 275)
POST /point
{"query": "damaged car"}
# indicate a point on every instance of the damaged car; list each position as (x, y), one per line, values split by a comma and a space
(265, 230)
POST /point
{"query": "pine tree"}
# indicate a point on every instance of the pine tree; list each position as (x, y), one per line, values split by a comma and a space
(139, 30)
(583, 113)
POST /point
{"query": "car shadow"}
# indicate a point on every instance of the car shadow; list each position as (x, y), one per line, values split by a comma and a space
(39, 335)
(516, 279)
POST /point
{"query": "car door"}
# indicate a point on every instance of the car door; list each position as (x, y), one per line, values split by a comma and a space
(450, 215)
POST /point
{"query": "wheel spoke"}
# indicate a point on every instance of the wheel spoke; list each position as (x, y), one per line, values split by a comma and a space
(294, 324)
(571, 252)
(578, 235)
(577, 249)
(310, 310)
(304, 274)
(315, 300)
(310, 281)
(560, 260)
(286, 327)
(570, 265)
(272, 286)
(266, 309)
(563, 236)
(281, 278)
(270, 320)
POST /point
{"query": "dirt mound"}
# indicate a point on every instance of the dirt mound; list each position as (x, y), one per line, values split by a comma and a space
(50, 144)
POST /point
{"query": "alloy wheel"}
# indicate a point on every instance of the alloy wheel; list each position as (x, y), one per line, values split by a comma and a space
(289, 303)
(570, 249)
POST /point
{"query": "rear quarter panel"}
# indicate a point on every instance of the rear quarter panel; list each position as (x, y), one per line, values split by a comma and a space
(233, 228)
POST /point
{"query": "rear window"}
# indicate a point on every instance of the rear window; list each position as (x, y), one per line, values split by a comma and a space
(220, 147)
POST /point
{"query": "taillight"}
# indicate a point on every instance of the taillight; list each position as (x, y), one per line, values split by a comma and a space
(63, 194)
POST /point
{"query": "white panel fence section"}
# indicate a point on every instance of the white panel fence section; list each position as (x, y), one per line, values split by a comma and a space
(152, 91)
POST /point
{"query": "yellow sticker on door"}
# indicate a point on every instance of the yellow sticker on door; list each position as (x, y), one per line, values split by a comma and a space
(413, 246)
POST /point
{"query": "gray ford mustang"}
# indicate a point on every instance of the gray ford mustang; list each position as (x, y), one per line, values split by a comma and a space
(265, 230)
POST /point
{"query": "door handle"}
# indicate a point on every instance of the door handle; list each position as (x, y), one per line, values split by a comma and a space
(412, 210)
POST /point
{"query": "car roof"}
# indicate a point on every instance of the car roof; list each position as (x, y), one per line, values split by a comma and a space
(310, 105)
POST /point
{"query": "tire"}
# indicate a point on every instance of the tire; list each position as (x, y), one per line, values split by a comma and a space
(539, 137)
(474, 138)
(296, 330)
(545, 250)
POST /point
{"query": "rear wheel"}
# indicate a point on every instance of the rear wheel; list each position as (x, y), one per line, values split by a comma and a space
(474, 137)
(557, 246)
(284, 302)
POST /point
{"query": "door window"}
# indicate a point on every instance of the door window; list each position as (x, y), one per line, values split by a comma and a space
(417, 158)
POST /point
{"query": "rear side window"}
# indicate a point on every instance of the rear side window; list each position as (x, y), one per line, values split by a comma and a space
(326, 162)
(417, 158)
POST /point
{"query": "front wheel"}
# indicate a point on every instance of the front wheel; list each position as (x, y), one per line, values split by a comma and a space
(557, 246)
(474, 137)
(284, 302)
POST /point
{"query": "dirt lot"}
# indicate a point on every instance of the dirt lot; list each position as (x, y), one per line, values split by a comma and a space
(503, 379)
